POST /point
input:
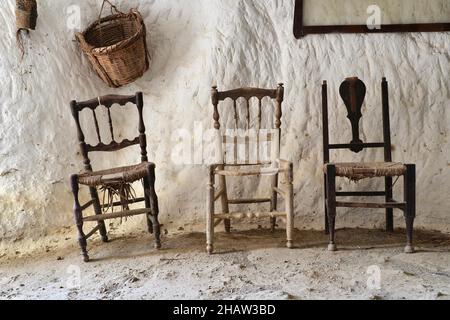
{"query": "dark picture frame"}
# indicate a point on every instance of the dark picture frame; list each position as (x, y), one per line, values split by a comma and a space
(300, 30)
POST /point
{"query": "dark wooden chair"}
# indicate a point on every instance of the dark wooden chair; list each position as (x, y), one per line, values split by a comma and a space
(117, 178)
(246, 131)
(353, 92)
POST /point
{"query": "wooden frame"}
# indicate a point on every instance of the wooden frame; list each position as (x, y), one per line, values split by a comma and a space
(353, 92)
(276, 167)
(300, 30)
(150, 198)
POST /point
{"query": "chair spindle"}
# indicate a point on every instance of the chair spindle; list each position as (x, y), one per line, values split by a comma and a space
(97, 127)
(111, 128)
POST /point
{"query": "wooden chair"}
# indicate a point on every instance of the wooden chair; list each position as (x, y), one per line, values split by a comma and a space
(243, 134)
(117, 178)
(353, 92)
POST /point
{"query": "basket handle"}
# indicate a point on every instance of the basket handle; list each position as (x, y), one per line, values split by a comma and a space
(113, 7)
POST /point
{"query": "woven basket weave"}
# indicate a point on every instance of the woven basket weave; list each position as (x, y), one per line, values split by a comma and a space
(26, 19)
(26, 14)
(116, 46)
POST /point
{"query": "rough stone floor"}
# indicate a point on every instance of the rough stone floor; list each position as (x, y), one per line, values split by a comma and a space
(248, 265)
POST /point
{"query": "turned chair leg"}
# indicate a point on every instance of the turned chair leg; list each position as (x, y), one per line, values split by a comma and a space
(327, 225)
(290, 210)
(78, 214)
(224, 202)
(389, 212)
(210, 212)
(154, 206)
(331, 205)
(274, 203)
(156, 230)
(410, 210)
(148, 204)
(98, 212)
(227, 224)
(273, 224)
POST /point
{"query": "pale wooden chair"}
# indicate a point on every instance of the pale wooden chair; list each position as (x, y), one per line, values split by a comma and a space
(256, 138)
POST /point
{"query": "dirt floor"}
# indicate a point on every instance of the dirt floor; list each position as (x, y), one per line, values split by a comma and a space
(248, 265)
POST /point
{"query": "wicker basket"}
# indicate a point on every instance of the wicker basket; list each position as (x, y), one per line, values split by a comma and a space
(26, 18)
(26, 14)
(116, 46)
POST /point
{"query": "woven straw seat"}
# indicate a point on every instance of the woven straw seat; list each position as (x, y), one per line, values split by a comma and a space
(250, 171)
(359, 171)
(114, 176)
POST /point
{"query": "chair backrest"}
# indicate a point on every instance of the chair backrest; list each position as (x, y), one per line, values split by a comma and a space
(246, 142)
(353, 93)
(108, 102)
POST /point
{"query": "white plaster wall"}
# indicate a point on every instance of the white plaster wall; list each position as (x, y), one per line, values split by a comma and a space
(194, 45)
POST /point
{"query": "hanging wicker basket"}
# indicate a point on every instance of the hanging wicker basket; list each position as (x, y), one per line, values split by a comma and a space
(26, 19)
(26, 14)
(116, 46)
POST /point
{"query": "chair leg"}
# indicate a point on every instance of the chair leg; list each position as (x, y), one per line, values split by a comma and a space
(156, 230)
(389, 212)
(327, 226)
(154, 206)
(331, 205)
(224, 202)
(148, 204)
(227, 224)
(274, 203)
(78, 214)
(98, 212)
(210, 212)
(290, 210)
(410, 210)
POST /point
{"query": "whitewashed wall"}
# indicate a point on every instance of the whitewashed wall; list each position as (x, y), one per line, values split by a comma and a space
(194, 45)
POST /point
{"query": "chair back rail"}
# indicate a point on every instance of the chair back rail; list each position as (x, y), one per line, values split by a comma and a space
(109, 101)
(248, 136)
(353, 92)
